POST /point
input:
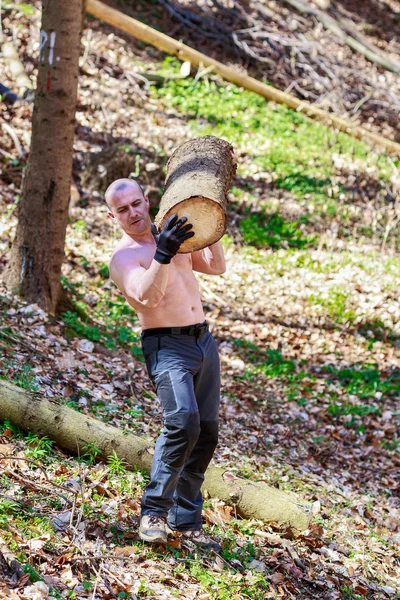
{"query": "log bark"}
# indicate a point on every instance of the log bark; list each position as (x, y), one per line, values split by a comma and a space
(72, 431)
(198, 177)
(167, 44)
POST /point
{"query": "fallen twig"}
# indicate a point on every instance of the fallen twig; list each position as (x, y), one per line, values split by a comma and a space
(96, 583)
(36, 483)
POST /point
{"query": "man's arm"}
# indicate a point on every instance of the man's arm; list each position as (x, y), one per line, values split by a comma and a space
(143, 288)
(210, 260)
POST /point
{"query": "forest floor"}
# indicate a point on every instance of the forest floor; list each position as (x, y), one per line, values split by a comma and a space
(307, 319)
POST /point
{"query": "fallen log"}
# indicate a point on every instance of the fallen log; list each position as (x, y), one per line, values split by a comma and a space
(185, 53)
(71, 430)
(198, 177)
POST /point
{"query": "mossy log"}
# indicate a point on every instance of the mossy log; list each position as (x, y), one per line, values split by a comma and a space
(72, 430)
(198, 177)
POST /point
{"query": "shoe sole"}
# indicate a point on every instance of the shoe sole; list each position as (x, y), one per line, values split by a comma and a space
(153, 539)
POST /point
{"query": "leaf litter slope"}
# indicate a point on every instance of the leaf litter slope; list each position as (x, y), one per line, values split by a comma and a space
(308, 337)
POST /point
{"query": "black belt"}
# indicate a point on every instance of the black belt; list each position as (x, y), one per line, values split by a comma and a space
(196, 330)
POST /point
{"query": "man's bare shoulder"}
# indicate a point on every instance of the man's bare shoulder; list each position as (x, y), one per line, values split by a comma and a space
(123, 251)
(123, 256)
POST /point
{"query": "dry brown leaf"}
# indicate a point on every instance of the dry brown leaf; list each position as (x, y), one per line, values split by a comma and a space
(359, 588)
(277, 578)
(6, 449)
(122, 514)
(133, 505)
(67, 361)
(125, 550)
(174, 543)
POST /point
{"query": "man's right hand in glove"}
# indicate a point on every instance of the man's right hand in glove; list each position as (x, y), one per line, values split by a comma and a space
(170, 238)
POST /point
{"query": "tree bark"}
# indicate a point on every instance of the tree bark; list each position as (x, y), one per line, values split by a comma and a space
(199, 175)
(73, 430)
(37, 252)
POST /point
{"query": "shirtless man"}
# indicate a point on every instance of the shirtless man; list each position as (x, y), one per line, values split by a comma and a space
(181, 357)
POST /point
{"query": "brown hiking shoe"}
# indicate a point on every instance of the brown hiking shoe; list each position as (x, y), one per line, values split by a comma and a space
(153, 529)
(200, 539)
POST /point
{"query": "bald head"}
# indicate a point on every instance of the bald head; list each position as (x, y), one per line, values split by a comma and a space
(129, 208)
(119, 187)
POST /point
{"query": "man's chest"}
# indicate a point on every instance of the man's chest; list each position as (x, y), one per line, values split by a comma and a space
(179, 262)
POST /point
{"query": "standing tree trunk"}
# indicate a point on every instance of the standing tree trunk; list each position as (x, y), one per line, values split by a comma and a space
(37, 252)
(199, 174)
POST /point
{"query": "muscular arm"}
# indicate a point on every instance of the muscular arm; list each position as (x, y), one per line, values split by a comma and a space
(141, 287)
(210, 260)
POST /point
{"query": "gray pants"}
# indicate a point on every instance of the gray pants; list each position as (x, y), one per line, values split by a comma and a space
(183, 364)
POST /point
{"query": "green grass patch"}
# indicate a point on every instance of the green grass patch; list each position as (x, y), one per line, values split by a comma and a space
(109, 322)
(39, 447)
(364, 380)
(21, 375)
(335, 302)
(108, 336)
(345, 408)
(230, 585)
(271, 364)
(286, 260)
(30, 523)
(298, 150)
(273, 231)
(357, 390)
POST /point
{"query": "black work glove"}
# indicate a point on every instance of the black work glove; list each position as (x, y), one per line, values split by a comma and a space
(172, 235)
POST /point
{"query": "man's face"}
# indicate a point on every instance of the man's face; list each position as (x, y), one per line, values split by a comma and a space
(130, 209)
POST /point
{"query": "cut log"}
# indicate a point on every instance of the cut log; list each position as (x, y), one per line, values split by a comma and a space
(199, 175)
(72, 430)
(176, 48)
